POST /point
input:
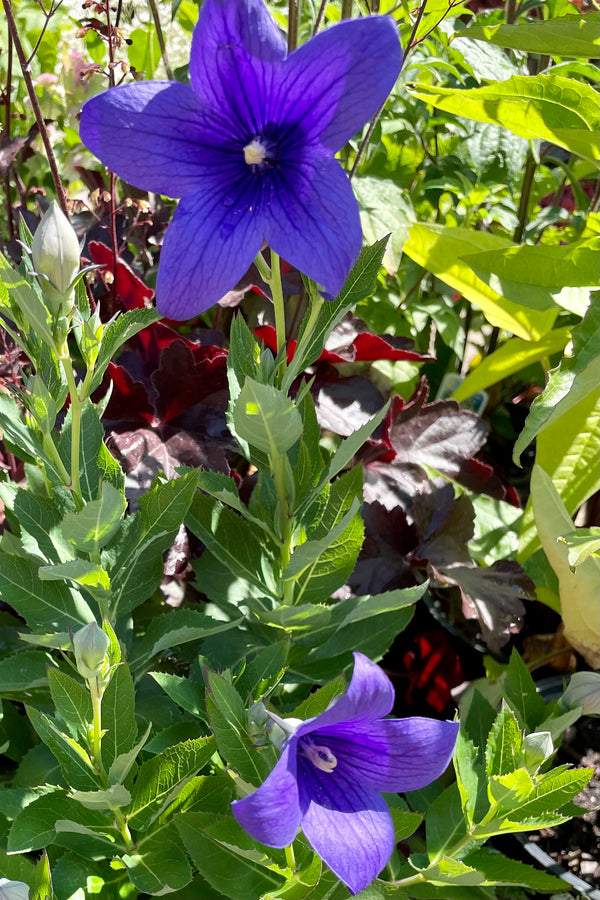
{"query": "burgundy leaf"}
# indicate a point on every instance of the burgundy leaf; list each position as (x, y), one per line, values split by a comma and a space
(129, 399)
(344, 404)
(189, 374)
(492, 595)
(130, 290)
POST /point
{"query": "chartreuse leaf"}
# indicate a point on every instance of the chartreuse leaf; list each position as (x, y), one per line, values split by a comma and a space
(440, 249)
(227, 716)
(143, 54)
(319, 700)
(579, 591)
(581, 543)
(576, 36)
(173, 628)
(511, 357)
(118, 716)
(226, 856)
(36, 826)
(359, 284)
(160, 778)
(27, 300)
(159, 864)
(535, 276)
(92, 527)
(452, 871)
(560, 110)
(81, 572)
(570, 382)
(385, 209)
(508, 792)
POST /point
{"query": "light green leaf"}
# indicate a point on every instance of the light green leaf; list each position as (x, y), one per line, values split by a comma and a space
(498, 869)
(503, 748)
(227, 717)
(560, 110)
(93, 526)
(440, 249)
(266, 418)
(123, 763)
(452, 871)
(511, 357)
(72, 701)
(74, 761)
(114, 336)
(79, 571)
(575, 36)
(579, 590)
(143, 53)
(581, 543)
(509, 791)
(118, 716)
(113, 797)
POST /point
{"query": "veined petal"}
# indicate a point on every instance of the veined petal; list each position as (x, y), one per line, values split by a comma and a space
(392, 754)
(157, 135)
(347, 823)
(313, 220)
(210, 243)
(272, 813)
(370, 696)
(336, 81)
(236, 50)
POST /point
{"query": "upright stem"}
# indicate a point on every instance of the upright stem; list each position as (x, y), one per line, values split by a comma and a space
(75, 428)
(293, 24)
(277, 467)
(161, 39)
(96, 695)
(278, 304)
(290, 858)
(58, 185)
(346, 9)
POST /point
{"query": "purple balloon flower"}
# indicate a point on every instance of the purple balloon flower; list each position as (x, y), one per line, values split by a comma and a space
(249, 147)
(332, 769)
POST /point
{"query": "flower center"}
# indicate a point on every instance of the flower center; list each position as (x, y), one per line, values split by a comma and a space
(320, 756)
(255, 153)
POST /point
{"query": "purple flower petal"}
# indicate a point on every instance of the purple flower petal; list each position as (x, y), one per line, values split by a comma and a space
(210, 243)
(236, 51)
(335, 82)
(347, 823)
(154, 134)
(313, 221)
(370, 696)
(393, 754)
(272, 813)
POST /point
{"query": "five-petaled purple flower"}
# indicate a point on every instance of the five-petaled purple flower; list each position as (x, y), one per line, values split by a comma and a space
(331, 771)
(249, 147)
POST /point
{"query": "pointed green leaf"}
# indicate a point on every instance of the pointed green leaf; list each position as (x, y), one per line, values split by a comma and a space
(561, 36)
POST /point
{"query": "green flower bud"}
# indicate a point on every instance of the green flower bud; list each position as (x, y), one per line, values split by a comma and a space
(55, 254)
(584, 691)
(13, 890)
(91, 645)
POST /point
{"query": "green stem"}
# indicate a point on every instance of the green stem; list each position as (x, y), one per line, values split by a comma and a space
(278, 470)
(75, 429)
(278, 304)
(121, 823)
(52, 453)
(412, 879)
(290, 858)
(96, 695)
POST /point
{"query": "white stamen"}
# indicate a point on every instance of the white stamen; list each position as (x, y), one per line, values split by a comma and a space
(321, 757)
(255, 153)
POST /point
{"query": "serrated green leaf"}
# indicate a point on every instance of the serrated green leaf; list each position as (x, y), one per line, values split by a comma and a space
(498, 869)
(74, 761)
(113, 797)
(227, 716)
(34, 828)
(90, 444)
(520, 693)
(39, 520)
(359, 284)
(114, 336)
(183, 691)
(22, 672)
(162, 777)
(118, 716)
(502, 752)
(160, 864)
(510, 791)
(175, 627)
(72, 701)
(553, 791)
(452, 871)
(232, 865)
(445, 823)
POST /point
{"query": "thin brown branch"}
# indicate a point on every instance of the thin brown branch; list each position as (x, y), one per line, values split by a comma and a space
(58, 185)
(161, 39)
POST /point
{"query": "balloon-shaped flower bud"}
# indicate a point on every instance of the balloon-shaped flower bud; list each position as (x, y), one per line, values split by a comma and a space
(91, 645)
(584, 691)
(13, 890)
(55, 254)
